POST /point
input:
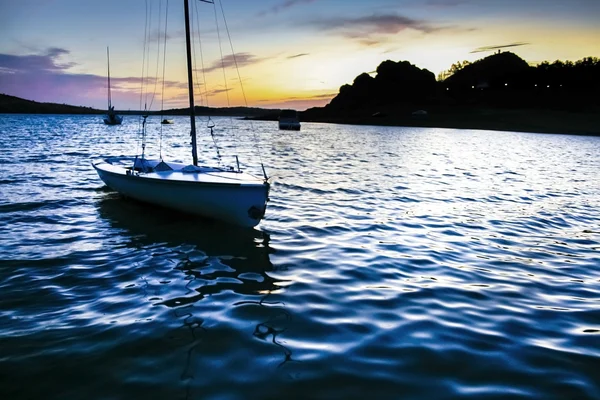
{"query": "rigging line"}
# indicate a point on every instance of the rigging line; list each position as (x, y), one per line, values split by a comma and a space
(157, 53)
(233, 53)
(146, 75)
(224, 74)
(222, 59)
(108, 69)
(195, 25)
(202, 62)
(143, 60)
(256, 141)
(141, 125)
(148, 58)
(210, 124)
(202, 59)
(162, 95)
(197, 28)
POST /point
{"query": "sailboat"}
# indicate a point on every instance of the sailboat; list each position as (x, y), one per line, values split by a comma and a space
(111, 117)
(221, 193)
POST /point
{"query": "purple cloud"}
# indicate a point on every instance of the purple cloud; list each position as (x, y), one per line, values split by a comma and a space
(40, 62)
(283, 6)
(446, 3)
(378, 24)
(42, 77)
(241, 59)
(158, 35)
(123, 83)
(377, 29)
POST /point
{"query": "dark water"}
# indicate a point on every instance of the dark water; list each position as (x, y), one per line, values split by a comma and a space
(393, 263)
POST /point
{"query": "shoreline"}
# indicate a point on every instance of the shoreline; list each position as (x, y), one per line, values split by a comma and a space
(490, 125)
(585, 123)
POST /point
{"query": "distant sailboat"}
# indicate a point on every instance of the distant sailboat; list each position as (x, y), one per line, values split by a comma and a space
(222, 193)
(111, 117)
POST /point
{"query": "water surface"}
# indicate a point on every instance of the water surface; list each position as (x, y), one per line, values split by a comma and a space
(392, 263)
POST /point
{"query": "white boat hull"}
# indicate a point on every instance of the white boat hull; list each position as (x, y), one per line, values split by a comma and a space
(233, 197)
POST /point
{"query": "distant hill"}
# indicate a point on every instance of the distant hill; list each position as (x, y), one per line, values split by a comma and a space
(17, 105)
(492, 71)
(221, 111)
(505, 80)
(501, 91)
(398, 87)
(395, 83)
(500, 80)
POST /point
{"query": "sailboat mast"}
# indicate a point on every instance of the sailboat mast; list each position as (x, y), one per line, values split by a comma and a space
(108, 59)
(190, 82)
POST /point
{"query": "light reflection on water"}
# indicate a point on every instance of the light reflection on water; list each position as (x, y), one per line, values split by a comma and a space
(408, 262)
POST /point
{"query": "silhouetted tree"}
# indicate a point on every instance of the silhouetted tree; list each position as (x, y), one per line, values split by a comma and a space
(395, 83)
(500, 80)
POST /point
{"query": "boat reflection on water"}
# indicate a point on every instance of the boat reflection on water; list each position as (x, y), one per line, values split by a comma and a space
(198, 244)
(215, 259)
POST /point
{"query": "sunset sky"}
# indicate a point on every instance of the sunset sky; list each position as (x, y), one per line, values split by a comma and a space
(291, 53)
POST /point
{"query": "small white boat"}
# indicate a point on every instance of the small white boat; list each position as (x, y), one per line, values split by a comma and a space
(111, 118)
(288, 120)
(222, 193)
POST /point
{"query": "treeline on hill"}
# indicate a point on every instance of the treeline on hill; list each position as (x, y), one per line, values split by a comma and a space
(502, 80)
(218, 111)
(12, 104)
(506, 80)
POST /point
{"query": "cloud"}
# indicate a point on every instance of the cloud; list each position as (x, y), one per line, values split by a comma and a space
(215, 92)
(299, 103)
(56, 52)
(241, 59)
(44, 77)
(490, 48)
(283, 6)
(158, 35)
(446, 3)
(369, 30)
(315, 97)
(47, 62)
(297, 55)
(368, 42)
(126, 82)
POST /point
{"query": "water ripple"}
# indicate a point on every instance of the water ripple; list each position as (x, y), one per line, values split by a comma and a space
(393, 262)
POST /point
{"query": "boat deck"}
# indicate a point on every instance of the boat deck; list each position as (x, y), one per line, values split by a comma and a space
(150, 169)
